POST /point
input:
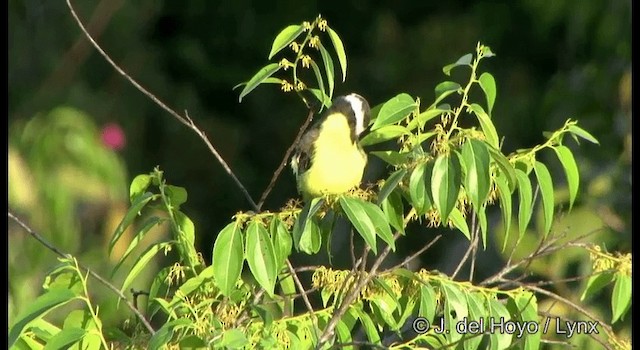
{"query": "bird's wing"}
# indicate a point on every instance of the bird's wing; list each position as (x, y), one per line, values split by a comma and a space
(301, 160)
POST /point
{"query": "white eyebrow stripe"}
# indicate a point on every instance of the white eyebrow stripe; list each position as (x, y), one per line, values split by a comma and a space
(357, 106)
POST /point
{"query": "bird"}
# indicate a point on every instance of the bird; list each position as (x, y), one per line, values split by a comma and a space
(328, 159)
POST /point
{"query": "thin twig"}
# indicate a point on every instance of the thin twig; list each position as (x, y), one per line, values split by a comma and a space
(49, 246)
(464, 259)
(285, 159)
(182, 119)
(418, 253)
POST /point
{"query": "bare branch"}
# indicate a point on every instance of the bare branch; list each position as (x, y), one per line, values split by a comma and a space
(186, 120)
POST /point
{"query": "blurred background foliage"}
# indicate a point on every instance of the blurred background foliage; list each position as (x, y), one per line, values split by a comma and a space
(555, 60)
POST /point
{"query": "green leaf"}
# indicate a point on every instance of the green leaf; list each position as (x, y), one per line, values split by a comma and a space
(546, 188)
(489, 130)
(499, 340)
(282, 242)
(357, 214)
(459, 222)
(234, 339)
(571, 170)
(165, 333)
(477, 181)
(418, 190)
(421, 119)
(285, 37)
(321, 97)
(526, 196)
(264, 73)
(428, 303)
(445, 184)
(142, 262)
(260, 256)
(621, 297)
(393, 208)
(342, 55)
(488, 85)
(138, 203)
(455, 309)
(311, 237)
(595, 283)
(383, 134)
(462, 61)
(477, 312)
(138, 186)
(379, 221)
(578, 131)
(505, 167)
(394, 110)
(37, 309)
(482, 220)
(305, 218)
(505, 205)
(316, 71)
(228, 256)
(528, 308)
(328, 68)
(445, 89)
(65, 338)
(391, 157)
(369, 327)
(148, 225)
(390, 184)
(177, 195)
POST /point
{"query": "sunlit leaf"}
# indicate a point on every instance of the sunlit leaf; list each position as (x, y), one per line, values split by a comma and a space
(462, 61)
(391, 157)
(369, 327)
(339, 47)
(459, 222)
(499, 340)
(393, 208)
(380, 223)
(477, 181)
(285, 37)
(354, 208)
(445, 89)
(455, 310)
(316, 71)
(385, 133)
(282, 242)
(505, 167)
(488, 85)
(138, 203)
(264, 73)
(138, 186)
(260, 256)
(621, 296)
(328, 68)
(571, 170)
(525, 193)
(486, 124)
(445, 184)
(546, 189)
(418, 190)
(228, 256)
(390, 184)
(505, 205)
(394, 110)
(578, 131)
(421, 119)
(143, 261)
(304, 219)
(595, 283)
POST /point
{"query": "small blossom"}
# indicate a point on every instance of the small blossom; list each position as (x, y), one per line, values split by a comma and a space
(284, 63)
(113, 137)
(314, 42)
(285, 86)
(306, 61)
(306, 25)
(322, 24)
(295, 47)
(300, 86)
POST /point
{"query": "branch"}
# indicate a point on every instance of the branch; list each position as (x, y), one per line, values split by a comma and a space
(49, 246)
(182, 119)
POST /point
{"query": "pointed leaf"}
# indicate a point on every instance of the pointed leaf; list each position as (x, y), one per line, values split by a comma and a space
(455, 310)
(391, 157)
(148, 225)
(328, 68)
(138, 186)
(358, 216)
(459, 222)
(65, 338)
(379, 221)
(528, 309)
(445, 184)
(228, 256)
(421, 119)
(546, 188)
(505, 205)
(462, 61)
(306, 215)
(571, 170)
(260, 256)
(142, 262)
(488, 85)
(38, 308)
(477, 180)
(282, 242)
(428, 303)
(394, 110)
(621, 297)
(499, 340)
(486, 124)
(477, 312)
(526, 196)
(369, 327)
(393, 208)
(595, 283)
(285, 37)
(505, 167)
(418, 189)
(482, 220)
(138, 203)
(316, 71)
(578, 131)
(264, 73)
(390, 184)
(342, 55)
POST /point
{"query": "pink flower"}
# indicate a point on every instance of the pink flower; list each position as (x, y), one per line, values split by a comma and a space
(113, 136)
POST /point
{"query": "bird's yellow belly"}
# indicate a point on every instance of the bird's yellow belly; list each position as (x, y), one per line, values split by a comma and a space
(338, 166)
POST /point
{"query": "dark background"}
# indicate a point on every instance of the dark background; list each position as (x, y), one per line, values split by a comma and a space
(554, 60)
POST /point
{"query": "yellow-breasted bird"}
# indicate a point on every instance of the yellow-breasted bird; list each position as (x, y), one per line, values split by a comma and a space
(329, 158)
